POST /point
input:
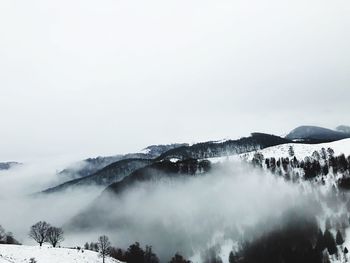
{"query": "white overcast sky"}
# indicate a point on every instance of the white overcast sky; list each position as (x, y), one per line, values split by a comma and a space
(98, 77)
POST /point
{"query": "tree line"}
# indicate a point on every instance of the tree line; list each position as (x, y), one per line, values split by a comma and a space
(300, 239)
(133, 254)
(7, 237)
(316, 166)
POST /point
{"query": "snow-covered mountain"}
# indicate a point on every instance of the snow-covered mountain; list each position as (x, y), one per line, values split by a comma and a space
(303, 150)
(45, 254)
(103, 171)
(310, 167)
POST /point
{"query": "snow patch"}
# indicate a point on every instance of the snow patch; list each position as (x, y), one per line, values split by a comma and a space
(46, 254)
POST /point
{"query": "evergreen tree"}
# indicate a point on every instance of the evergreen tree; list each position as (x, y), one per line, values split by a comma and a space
(232, 258)
(135, 254)
(2, 235)
(328, 224)
(150, 257)
(330, 152)
(316, 155)
(118, 254)
(320, 243)
(258, 159)
(339, 238)
(323, 154)
(330, 242)
(92, 246)
(178, 259)
(291, 151)
(86, 246)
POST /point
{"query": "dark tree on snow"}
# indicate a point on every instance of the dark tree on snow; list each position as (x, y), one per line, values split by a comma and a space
(2, 234)
(291, 151)
(320, 243)
(328, 224)
(330, 242)
(104, 247)
(339, 238)
(316, 155)
(54, 235)
(323, 154)
(346, 251)
(38, 232)
(330, 152)
(86, 246)
(258, 159)
(11, 240)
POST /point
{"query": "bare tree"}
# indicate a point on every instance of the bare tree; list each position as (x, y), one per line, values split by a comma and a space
(54, 235)
(38, 232)
(104, 247)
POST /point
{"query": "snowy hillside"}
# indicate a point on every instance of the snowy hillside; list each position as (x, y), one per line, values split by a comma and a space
(16, 254)
(303, 150)
(300, 151)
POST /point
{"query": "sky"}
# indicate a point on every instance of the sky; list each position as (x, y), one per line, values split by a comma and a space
(86, 78)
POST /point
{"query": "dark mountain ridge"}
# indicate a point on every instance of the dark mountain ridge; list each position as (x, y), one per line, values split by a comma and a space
(106, 176)
(92, 165)
(114, 172)
(96, 214)
(256, 141)
(314, 134)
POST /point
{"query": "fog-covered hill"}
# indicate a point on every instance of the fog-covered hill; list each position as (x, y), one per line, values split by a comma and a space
(119, 169)
(92, 165)
(110, 174)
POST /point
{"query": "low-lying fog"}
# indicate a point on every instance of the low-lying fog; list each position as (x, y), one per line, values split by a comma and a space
(20, 207)
(184, 215)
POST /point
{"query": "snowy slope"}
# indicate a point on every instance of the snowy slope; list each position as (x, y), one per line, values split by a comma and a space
(300, 151)
(17, 254)
(303, 150)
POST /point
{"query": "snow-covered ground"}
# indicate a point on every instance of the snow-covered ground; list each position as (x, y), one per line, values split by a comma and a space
(23, 254)
(300, 151)
(303, 150)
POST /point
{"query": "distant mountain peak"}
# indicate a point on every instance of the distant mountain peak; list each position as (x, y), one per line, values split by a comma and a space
(316, 134)
(8, 165)
(343, 128)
